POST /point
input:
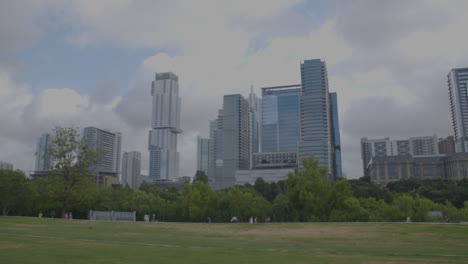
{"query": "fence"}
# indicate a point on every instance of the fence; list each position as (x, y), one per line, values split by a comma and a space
(112, 216)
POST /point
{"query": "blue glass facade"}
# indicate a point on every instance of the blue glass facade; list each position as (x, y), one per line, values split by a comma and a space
(280, 119)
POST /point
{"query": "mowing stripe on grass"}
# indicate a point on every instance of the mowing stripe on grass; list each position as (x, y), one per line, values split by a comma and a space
(205, 247)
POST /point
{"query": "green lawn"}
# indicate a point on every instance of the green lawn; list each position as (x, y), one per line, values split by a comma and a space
(60, 241)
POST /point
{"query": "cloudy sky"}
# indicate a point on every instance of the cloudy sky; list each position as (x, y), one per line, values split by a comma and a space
(90, 63)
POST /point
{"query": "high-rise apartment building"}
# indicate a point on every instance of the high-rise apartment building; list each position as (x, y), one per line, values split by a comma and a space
(417, 146)
(447, 145)
(165, 122)
(458, 85)
(6, 166)
(131, 169)
(203, 150)
(315, 133)
(280, 118)
(107, 145)
(43, 160)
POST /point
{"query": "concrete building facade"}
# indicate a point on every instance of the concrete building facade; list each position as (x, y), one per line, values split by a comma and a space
(236, 148)
(386, 169)
(165, 123)
(418, 146)
(458, 95)
(447, 145)
(131, 169)
(6, 165)
(108, 146)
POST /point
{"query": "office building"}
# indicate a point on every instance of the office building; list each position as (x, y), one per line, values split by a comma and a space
(255, 104)
(165, 123)
(236, 138)
(131, 169)
(285, 159)
(336, 141)
(280, 118)
(268, 175)
(446, 145)
(458, 85)
(43, 159)
(203, 148)
(386, 169)
(107, 145)
(6, 166)
(315, 132)
(418, 146)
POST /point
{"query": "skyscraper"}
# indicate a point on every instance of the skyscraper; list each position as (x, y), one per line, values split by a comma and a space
(255, 104)
(280, 118)
(203, 148)
(43, 161)
(165, 122)
(131, 169)
(315, 137)
(336, 141)
(107, 144)
(458, 85)
(235, 134)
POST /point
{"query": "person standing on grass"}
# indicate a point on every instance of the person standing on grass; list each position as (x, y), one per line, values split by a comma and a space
(40, 214)
(251, 220)
(70, 216)
(255, 220)
(52, 214)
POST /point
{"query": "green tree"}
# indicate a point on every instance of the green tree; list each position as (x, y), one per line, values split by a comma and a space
(200, 176)
(197, 201)
(70, 182)
(14, 187)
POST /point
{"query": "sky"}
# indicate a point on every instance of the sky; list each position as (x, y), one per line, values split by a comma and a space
(90, 63)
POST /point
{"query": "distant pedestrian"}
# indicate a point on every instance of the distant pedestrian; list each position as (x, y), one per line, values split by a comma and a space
(154, 218)
(209, 220)
(234, 219)
(65, 216)
(40, 214)
(255, 220)
(52, 214)
(70, 216)
(268, 219)
(251, 221)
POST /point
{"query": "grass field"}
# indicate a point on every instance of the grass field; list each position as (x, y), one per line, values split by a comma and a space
(31, 240)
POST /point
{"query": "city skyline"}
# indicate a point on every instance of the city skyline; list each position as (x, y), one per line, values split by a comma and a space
(66, 65)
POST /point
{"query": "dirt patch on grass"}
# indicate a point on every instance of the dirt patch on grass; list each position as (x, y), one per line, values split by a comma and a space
(299, 231)
(7, 244)
(129, 234)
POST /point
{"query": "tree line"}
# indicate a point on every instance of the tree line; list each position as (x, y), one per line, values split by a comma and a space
(303, 197)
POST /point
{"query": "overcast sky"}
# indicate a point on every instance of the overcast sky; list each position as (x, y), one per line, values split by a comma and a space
(90, 63)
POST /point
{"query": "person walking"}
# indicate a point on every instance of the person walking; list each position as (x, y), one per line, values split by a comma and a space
(251, 220)
(70, 216)
(52, 214)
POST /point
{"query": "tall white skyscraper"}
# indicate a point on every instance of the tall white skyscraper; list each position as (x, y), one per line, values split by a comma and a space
(458, 90)
(108, 146)
(43, 162)
(165, 122)
(131, 169)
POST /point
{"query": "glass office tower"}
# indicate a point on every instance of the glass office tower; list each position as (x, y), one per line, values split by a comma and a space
(280, 118)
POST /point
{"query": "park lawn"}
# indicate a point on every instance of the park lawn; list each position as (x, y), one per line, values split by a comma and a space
(32, 240)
